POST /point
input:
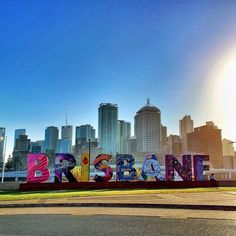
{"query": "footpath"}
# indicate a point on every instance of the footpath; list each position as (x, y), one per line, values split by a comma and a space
(222, 201)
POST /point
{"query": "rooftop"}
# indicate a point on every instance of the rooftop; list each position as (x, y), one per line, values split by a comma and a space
(149, 108)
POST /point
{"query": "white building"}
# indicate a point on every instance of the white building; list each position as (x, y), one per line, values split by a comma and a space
(147, 129)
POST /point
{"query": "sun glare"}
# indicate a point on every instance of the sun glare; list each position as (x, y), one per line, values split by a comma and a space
(226, 92)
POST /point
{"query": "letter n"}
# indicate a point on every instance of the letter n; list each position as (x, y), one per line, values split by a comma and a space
(172, 165)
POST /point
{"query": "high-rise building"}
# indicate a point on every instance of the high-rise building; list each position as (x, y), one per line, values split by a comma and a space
(66, 135)
(163, 139)
(35, 147)
(148, 129)
(20, 152)
(83, 134)
(228, 147)
(123, 135)
(63, 146)
(228, 154)
(85, 131)
(67, 132)
(207, 140)
(51, 137)
(185, 127)
(41, 144)
(19, 132)
(132, 145)
(107, 127)
(2, 141)
(174, 144)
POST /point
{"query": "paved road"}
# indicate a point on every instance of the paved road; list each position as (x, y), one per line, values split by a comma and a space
(115, 221)
(121, 221)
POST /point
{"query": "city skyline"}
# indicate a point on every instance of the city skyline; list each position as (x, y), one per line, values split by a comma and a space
(67, 57)
(73, 127)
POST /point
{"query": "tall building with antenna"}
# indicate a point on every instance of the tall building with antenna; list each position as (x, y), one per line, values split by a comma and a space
(147, 128)
(65, 143)
(67, 132)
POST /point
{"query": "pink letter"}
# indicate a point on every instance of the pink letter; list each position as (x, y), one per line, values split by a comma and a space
(37, 163)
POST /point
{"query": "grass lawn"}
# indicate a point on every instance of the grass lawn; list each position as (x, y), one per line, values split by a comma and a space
(11, 195)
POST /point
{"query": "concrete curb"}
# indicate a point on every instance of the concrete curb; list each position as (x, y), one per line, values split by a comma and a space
(124, 205)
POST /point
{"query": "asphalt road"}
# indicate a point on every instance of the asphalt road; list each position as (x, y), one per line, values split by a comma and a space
(113, 221)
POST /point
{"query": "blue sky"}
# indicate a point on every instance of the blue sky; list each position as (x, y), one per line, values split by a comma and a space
(67, 57)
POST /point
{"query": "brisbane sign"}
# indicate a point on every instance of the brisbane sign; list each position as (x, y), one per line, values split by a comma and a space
(189, 168)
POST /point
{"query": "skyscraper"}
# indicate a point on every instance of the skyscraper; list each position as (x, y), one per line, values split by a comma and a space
(147, 129)
(85, 131)
(35, 147)
(132, 144)
(185, 127)
(20, 152)
(67, 132)
(206, 139)
(65, 145)
(107, 127)
(19, 132)
(163, 139)
(40, 143)
(51, 137)
(228, 154)
(123, 135)
(2, 141)
(228, 147)
(174, 144)
(82, 135)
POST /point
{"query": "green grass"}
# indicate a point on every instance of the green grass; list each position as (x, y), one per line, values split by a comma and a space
(12, 195)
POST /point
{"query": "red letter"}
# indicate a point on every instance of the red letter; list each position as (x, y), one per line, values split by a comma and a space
(37, 163)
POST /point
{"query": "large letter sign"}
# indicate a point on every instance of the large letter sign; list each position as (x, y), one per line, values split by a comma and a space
(151, 168)
(99, 165)
(124, 163)
(199, 167)
(184, 171)
(63, 164)
(38, 170)
(85, 170)
(37, 164)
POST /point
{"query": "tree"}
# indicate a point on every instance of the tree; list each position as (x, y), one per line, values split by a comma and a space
(9, 165)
